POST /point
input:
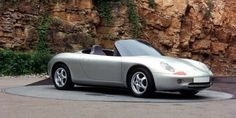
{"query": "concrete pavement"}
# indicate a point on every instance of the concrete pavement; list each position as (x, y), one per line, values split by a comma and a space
(12, 106)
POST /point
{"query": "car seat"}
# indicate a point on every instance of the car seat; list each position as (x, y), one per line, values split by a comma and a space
(97, 50)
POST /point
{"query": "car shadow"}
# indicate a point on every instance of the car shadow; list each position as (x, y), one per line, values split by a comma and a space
(102, 91)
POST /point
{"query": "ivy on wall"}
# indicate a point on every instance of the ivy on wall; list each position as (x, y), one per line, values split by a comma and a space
(13, 1)
(209, 9)
(41, 55)
(42, 29)
(104, 8)
(133, 18)
(152, 3)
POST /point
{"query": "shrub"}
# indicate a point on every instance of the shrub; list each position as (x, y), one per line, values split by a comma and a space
(39, 61)
(14, 63)
(17, 63)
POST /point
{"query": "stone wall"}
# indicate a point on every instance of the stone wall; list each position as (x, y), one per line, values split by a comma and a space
(73, 24)
(203, 30)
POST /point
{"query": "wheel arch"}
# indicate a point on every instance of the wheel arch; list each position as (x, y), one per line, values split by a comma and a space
(56, 63)
(134, 67)
(68, 82)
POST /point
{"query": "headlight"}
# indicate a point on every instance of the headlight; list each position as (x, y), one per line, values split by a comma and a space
(167, 67)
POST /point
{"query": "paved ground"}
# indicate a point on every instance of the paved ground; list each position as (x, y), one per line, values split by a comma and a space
(12, 106)
(105, 94)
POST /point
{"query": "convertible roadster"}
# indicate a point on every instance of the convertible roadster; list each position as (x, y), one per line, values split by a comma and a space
(133, 64)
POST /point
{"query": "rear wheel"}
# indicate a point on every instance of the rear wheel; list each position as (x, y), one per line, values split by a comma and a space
(61, 77)
(141, 82)
(188, 92)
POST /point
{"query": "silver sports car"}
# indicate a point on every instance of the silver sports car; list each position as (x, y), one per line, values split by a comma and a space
(133, 64)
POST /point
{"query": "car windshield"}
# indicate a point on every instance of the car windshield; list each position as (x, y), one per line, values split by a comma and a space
(135, 48)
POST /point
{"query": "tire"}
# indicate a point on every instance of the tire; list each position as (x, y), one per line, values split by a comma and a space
(61, 77)
(140, 82)
(188, 92)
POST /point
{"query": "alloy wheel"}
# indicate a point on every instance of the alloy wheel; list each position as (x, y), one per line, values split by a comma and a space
(139, 83)
(60, 77)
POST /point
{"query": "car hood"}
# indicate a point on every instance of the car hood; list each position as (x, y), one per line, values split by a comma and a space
(191, 67)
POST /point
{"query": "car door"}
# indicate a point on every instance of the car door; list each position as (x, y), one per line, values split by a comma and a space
(100, 68)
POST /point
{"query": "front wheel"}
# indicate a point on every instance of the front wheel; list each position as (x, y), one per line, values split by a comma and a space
(61, 77)
(188, 92)
(141, 82)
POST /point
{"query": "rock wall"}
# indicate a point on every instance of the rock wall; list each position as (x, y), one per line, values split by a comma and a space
(73, 24)
(203, 30)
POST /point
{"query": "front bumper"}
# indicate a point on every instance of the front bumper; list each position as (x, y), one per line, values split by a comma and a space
(167, 82)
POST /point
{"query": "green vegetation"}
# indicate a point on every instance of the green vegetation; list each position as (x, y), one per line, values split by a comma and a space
(41, 55)
(1, 4)
(152, 4)
(133, 18)
(41, 1)
(42, 29)
(13, 2)
(39, 62)
(16, 63)
(44, 1)
(209, 9)
(104, 8)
